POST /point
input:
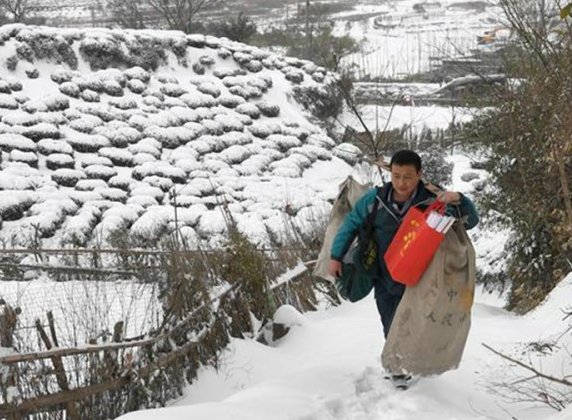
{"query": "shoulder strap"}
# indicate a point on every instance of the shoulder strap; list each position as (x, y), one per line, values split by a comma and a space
(372, 214)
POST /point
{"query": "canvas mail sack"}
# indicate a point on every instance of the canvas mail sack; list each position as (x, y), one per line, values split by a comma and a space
(432, 322)
(350, 192)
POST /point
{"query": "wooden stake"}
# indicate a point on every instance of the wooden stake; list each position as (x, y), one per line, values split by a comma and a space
(59, 370)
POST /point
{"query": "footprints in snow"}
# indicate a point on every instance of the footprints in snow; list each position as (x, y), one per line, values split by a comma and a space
(374, 397)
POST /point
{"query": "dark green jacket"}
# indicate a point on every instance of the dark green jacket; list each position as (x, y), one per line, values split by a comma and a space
(386, 224)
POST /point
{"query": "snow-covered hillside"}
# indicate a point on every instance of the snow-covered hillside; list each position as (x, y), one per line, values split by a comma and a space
(99, 129)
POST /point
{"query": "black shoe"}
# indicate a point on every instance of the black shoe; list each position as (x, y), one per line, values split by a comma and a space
(401, 381)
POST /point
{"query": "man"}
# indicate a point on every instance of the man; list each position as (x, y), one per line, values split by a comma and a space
(404, 191)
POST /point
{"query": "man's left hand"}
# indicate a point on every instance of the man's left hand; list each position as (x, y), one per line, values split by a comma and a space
(449, 197)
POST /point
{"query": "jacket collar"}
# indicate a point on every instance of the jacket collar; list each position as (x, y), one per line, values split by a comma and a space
(421, 196)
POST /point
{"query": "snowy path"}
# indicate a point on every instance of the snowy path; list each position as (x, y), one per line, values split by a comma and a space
(328, 368)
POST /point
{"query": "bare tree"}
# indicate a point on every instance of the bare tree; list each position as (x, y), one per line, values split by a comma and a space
(18, 10)
(127, 13)
(179, 14)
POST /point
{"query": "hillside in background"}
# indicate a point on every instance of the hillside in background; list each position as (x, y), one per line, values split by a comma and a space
(102, 131)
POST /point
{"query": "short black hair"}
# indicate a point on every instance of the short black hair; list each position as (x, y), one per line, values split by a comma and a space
(406, 157)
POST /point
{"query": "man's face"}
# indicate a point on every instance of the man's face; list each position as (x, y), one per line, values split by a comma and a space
(404, 179)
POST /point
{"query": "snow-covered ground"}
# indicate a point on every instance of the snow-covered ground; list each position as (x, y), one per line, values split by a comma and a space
(419, 39)
(328, 367)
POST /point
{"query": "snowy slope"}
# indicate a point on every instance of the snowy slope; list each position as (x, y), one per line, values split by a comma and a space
(328, 368)
(98, 128)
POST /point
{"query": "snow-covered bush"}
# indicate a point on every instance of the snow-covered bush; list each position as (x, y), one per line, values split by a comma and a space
(89, 95)
(312, 152)
(235, 138)
(322, 101)
(32, 72)
(226, 72)
(20, 118)
(48, 45)
(89, 159)
(348, 152)
(283, 142)
(118, 133)
(123, 103)
(320, 140)
(267, 109)
(234, 154)
(86, 143)
(15, 85)
(67, 177)
(136, 86)
(120, 181)
(147, 145)
(147, 190)
(263, 129)
(187, 164)
(90, 184)
(49, 146)
(211, 127)
(230, 100)
(62, 75)
(141, 158)
(293, 129)
(7, 101)
(198, 68)
(286, 168)
(137, 73)
(209, 89)
(112, 194)
(41, 131)
(149, 228)
(86, 123)
(5, 87)
(223, 53)
(293, 74)
(70, 89)
(213, 165)
(166, 78)
(59, 160)
(100, 172)
(112, 88)
(198, 100)
(206, 60)
(229, 122)
(102, 52)
(55, 102)
(11, 141)
(186, 115)
(143, 201)
(254, 66)
(79, 228)
(173, 90)
(164, 184)
(161, 169)
(13, 204)
(241, 91)
(119, 157)
(29, 158)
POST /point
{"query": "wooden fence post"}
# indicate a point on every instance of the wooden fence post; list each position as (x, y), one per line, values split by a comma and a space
(8, 321)
(72, 412)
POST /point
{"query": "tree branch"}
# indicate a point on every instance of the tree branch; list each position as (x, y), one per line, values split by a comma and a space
(529, 368)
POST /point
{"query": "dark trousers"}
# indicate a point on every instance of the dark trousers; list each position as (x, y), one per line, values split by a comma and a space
(386, 306)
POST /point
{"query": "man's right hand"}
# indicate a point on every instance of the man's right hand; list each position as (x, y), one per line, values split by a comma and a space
(335, 268)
